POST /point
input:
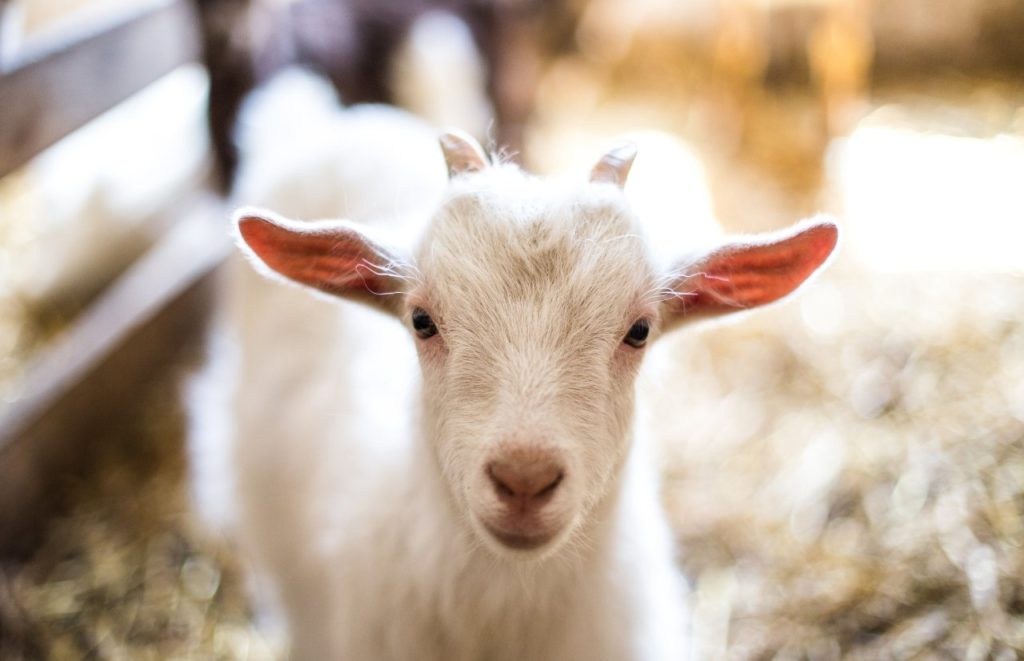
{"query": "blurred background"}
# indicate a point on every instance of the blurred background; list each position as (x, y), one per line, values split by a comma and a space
(844, 472)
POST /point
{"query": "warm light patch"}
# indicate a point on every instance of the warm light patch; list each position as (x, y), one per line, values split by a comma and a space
(924, 201)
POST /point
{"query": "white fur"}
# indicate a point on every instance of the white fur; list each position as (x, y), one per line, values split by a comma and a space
(356, 463)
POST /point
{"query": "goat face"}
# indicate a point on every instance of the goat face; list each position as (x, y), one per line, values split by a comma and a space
(531, 312)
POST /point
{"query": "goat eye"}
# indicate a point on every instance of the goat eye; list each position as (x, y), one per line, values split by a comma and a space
(423, 324)
(637, 335)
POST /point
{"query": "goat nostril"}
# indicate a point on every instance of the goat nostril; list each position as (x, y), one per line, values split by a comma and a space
(528, 483)
(499, 486)
(550, 489)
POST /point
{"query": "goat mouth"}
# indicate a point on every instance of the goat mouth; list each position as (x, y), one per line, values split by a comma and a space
(519, 541)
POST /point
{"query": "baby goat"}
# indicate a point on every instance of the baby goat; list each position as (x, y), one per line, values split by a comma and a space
(493, 503)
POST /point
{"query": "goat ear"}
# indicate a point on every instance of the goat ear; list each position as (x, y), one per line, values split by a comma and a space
(613, 168)
(330, 256)
(462, 153)
(749, 273)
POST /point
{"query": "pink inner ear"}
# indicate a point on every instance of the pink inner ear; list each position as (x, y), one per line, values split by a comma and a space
(336, 259)
(742, 276)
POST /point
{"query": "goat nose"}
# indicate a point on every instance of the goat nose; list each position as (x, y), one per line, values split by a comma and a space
(526, 484)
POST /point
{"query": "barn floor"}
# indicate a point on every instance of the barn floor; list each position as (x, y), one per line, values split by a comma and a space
(128, 573)
(845, 472)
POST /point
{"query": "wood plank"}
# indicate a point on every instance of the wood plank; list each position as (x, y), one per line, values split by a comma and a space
(86, 380)
(59, 86)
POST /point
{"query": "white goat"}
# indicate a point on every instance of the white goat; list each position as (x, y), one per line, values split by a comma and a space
(491, 503)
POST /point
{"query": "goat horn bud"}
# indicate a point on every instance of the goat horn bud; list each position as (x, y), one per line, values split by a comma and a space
(613, 168)
(462, 153)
